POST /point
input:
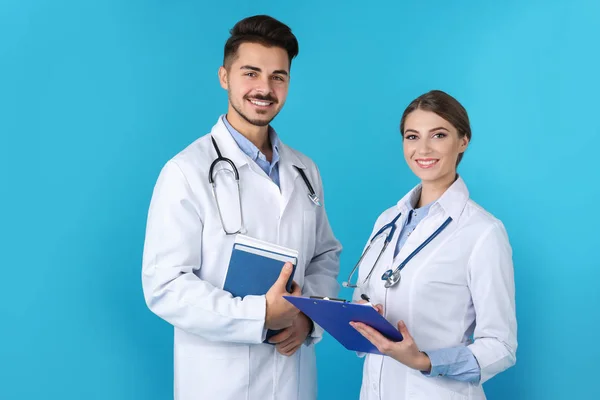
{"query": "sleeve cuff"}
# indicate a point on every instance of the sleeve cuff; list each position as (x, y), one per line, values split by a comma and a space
(256, 329)
(457, 363)
(315, 336)
(437, 368)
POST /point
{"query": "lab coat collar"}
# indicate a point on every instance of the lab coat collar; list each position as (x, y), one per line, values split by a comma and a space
(409, 201)
(288, 157)
(227, 144)
(230, 149)
(287, 160)
(453, 200)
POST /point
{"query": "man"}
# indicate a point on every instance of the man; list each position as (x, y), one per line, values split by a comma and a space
(218, 339)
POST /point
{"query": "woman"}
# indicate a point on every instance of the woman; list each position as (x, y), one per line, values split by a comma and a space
(452, 293)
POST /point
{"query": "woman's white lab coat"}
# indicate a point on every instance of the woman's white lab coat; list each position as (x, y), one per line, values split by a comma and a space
(218, 349)
(458, 288)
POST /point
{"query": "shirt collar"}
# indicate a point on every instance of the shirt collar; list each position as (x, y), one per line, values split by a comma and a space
(423, 209)
(248, 147)
(453, 200)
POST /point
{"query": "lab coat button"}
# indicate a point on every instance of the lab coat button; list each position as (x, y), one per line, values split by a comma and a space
(374, 386)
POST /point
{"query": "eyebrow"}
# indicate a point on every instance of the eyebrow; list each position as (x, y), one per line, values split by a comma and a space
(431, 130)
(256, 69)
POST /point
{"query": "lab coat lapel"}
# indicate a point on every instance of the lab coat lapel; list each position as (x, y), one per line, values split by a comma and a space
(289, 175)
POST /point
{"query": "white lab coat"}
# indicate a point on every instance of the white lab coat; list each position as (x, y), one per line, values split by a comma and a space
(218, 349)
(460, 285)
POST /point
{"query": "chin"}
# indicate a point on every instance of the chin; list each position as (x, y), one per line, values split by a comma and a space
(260, 122)
(428, 178)
(258, 119)
(434, 178)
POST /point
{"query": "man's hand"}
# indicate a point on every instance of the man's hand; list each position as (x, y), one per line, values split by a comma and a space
(281, 313)
(290, 339)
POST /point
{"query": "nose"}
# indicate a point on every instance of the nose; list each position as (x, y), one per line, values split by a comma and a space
(424, 147)
(263, 85)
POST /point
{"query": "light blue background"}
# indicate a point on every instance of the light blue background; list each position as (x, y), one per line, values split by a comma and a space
(96, 95)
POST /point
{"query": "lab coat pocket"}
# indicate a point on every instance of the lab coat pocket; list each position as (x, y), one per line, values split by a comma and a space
(444, 277)
(424, 387)
(204, 365)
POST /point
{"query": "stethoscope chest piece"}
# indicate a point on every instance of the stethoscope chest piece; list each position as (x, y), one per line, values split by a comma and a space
(315, 199)
(391, 278)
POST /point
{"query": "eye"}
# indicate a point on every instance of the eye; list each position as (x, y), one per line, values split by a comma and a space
(251, 74)
(410, 137)
(439, 135)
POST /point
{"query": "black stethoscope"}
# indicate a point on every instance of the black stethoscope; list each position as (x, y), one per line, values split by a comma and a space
(311, 192)
(390, 277)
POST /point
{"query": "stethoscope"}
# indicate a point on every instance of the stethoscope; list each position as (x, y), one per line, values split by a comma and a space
(311, 192)
(390, 277)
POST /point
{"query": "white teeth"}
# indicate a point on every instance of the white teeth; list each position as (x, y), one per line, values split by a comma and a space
(260, 103)
(430, 162)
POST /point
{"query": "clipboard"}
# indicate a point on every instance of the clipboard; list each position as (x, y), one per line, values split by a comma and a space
(334, 316)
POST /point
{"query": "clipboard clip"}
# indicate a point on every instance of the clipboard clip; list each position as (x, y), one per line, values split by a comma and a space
(328, 298)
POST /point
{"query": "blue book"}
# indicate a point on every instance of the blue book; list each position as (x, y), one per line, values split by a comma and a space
(334, 316)
(254, 267)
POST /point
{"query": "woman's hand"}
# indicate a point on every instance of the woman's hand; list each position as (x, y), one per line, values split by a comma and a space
(405, 351)
(378, 307)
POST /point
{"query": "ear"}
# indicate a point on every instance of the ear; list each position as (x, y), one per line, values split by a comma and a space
(464, 143)
(223, 78)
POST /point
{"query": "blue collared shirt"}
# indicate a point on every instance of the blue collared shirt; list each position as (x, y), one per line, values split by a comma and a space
(413, 219)
(270, 168)
(458, 362)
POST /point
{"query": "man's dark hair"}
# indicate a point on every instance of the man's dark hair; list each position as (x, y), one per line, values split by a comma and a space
(260, 29)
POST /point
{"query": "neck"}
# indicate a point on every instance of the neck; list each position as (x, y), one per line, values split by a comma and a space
(258, 135)
(433, 190)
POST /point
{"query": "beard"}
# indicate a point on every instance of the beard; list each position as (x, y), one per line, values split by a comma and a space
(255, 121)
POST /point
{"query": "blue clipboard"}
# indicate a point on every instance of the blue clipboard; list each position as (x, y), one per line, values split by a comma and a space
(335, 316)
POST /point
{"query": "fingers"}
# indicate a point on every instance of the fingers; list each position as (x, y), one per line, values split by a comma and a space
(365, 330)
(288, 342)
(404, 330)
(378, 307)
(296, 291)
(372, 336)
(281, 336)
(288, 353)
(291, 340)
(289, 348)
(284, 276)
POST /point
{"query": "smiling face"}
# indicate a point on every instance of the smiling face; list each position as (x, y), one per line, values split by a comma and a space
(432, 146)
(257, 82)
